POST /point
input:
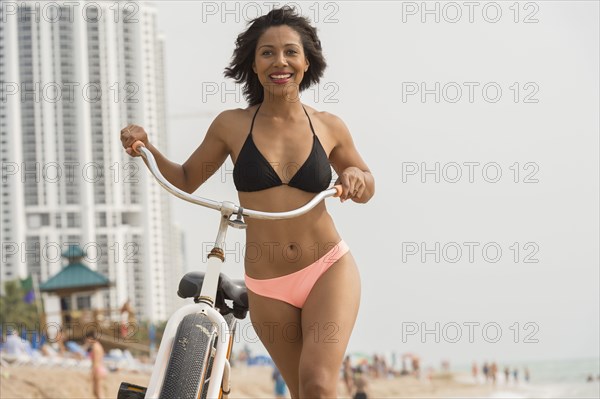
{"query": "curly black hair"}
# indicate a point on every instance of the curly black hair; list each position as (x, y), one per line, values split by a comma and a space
(240, 68)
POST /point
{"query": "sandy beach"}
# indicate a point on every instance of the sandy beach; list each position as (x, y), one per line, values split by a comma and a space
(247, 382)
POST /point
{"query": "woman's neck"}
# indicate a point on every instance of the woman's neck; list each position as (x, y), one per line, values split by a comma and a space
(281, 108)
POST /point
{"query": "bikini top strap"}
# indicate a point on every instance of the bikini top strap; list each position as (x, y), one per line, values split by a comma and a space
(309, 121)
(253, 118)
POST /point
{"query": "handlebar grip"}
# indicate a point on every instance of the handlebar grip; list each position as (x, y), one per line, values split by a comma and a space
(137, 145)
(338, 189)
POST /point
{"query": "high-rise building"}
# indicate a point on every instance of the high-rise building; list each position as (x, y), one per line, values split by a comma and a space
(73, 75)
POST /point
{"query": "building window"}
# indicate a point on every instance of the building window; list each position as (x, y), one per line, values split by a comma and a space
(101, 219)
(73, 219)
(84, 302)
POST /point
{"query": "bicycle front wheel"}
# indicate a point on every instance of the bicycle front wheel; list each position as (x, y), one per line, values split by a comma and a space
(189, 360)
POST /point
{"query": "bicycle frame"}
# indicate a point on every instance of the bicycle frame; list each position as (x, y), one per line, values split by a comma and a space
(220, 370)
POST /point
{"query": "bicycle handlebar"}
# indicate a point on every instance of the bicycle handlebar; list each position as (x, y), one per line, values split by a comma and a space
(141, 149)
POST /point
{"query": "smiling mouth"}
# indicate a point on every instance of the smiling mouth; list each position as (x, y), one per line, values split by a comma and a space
(281, 77)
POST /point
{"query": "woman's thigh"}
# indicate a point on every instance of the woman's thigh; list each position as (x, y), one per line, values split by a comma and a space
(328, 318)
(279, 328)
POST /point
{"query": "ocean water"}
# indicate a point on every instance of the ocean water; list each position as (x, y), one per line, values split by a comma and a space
(549, 379)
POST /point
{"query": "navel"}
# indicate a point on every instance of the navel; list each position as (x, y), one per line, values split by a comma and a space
(292, 252)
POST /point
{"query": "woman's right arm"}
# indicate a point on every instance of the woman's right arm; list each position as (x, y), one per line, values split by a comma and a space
(203, 162)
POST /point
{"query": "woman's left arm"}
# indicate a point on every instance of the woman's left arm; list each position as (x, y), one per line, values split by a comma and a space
(358, 184)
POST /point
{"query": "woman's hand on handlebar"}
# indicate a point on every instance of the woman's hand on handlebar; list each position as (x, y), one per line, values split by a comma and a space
(130, 135)
(352, 180)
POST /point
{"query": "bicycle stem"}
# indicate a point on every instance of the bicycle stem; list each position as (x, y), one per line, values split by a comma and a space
(216, 258)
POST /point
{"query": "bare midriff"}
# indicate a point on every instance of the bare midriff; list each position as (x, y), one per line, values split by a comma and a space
(275, 248)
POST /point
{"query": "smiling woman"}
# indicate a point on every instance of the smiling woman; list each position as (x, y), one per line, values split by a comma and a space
(282, 155)
(302, 50)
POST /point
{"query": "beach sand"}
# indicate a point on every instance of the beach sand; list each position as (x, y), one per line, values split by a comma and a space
(247, 382)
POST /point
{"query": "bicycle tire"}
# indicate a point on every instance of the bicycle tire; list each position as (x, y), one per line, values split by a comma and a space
(190, 364)
(189, 360)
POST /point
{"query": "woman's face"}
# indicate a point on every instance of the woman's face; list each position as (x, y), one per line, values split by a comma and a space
(280, 62)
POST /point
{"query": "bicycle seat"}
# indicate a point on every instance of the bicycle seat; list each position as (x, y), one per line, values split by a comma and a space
(235, 290)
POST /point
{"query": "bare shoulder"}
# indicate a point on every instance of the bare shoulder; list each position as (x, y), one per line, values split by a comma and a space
(334, 125)
(338, 141)
(230, 123)
(228, 118)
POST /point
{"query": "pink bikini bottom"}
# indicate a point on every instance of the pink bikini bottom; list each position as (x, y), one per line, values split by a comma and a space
(100, 371)
(294, 288)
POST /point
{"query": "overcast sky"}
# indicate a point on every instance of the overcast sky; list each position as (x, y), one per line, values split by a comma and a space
(514, 137)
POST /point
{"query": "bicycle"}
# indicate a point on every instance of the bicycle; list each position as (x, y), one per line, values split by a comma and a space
(193, 356)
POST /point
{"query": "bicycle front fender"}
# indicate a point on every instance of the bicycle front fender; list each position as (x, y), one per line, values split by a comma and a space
(166, 345)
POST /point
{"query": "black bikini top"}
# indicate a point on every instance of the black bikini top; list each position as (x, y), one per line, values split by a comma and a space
(252, 172)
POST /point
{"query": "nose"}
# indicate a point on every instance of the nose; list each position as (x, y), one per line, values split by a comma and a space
(281, 60)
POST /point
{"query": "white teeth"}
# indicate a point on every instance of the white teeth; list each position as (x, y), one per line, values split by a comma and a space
(280, 76)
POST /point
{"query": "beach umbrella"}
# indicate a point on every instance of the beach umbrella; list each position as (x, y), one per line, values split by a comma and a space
(358, 358)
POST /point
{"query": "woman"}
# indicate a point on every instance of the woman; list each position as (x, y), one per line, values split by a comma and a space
(347, 375)
(304, 285)
(99, 371)
(360, 385)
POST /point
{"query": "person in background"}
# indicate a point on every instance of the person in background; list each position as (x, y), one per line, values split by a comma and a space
(347, 375)
(416, 367)
(506, 374)
(493, 372)
(404, 370)
(384, 369)
(360, 385)
(279, 383)
(99, 371)
(474, 371)
(127, 318)
(375, 368)
(526, 374)
(60, 345)
(486, 371)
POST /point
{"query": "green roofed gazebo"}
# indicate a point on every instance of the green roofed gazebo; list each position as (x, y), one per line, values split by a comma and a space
(70, 292)
(75, 277)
